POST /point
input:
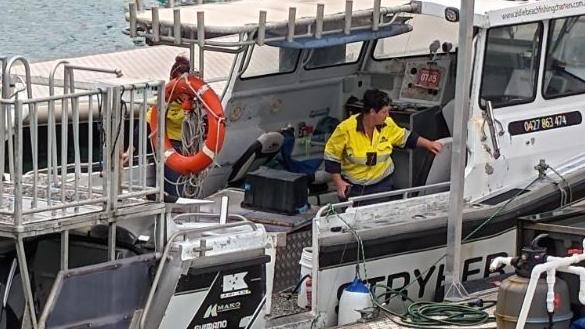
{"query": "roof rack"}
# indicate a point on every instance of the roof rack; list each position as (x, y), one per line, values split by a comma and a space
(287, 21)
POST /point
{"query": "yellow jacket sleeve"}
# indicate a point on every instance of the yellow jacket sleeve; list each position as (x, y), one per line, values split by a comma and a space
(336, 145)
(396, 135)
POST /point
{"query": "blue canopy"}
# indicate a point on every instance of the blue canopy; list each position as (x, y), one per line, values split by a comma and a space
(342, 38)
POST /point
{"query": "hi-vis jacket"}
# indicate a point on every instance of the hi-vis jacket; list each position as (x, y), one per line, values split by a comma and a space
(349, 150)
(174, 124)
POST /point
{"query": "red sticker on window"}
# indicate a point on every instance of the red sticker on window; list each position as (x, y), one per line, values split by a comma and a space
(428, 78)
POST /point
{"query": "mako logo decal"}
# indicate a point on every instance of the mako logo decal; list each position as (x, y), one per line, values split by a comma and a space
(214, 309)
(234, 285)
(211, 311)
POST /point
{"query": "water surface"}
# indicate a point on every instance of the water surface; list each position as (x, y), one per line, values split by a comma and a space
(50, 29)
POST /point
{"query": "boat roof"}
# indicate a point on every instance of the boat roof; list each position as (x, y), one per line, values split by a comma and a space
(490, 13)
(244, 15)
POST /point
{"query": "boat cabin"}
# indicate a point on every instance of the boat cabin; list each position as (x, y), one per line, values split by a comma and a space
(303, 65)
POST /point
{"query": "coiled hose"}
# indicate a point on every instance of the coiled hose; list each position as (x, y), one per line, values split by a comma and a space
(433, 314)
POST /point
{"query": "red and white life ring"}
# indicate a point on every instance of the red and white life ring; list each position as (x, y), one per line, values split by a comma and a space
(192, 87)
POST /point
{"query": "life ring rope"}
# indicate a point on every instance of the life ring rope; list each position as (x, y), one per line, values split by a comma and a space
(221, 120)
(199, 94)
(195, 163)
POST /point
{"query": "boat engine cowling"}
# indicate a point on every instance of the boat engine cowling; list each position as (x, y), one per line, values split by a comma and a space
(512, 291)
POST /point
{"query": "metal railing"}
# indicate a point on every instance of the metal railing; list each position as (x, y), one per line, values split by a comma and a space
(80, 173)
(263, 31)
(69, 167)
(404, 193)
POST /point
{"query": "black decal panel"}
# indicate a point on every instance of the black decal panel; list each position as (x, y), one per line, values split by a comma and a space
(233, 298)
(532, 125)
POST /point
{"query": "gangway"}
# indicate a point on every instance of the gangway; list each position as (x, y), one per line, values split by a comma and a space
(81, 183)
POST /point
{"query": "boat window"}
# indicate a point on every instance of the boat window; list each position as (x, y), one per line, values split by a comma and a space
(268, 60)
(511, 63)
(334, 55)
(417, 41)
(565, 58)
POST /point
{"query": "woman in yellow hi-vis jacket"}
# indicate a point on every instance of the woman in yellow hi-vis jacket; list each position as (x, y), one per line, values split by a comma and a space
(175, 116)
(358, 153)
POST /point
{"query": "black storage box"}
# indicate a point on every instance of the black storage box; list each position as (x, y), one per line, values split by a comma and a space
(276, 191)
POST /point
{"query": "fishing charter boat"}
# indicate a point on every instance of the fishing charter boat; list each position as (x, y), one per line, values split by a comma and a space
(215, 261)
(299, 63)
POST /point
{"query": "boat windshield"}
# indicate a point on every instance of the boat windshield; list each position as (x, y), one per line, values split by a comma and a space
(334, 55)
(416, 42)
(565, 60)
(511, 64)
(269, 60)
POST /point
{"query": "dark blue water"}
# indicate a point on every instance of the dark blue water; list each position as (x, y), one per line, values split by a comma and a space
(50, 29)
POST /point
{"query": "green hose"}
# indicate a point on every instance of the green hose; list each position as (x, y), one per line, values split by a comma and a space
(431, 314)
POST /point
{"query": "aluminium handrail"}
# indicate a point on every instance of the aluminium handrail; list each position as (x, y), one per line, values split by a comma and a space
(404, 192)
(52, 177)
(491, 121)
(6, 78)
(209, 43)
(209, 215)
(134, 20)
(165, 255)
(5, 116)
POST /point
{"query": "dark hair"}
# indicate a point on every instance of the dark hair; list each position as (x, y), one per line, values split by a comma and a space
(375, 99)
(353, 106)
(181, 66)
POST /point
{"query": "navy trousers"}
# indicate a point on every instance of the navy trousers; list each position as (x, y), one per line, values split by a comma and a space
(384, 185)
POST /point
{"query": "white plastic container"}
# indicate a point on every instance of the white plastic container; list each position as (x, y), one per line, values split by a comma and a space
(306, 263)
(355, 297)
